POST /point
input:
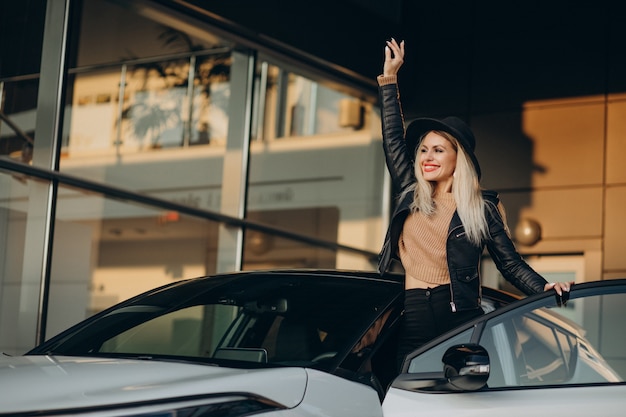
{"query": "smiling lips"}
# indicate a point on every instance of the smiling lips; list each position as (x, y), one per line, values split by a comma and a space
(429, 167)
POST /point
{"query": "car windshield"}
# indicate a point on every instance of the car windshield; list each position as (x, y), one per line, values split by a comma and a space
(242, 320)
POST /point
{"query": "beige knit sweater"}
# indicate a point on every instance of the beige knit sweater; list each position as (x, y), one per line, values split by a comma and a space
(423, 242)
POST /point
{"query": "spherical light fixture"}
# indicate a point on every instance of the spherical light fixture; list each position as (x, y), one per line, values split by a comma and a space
(528, 232)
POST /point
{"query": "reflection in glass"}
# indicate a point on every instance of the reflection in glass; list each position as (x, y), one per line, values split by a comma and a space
(541, 346)
(315, 168)
(19, 294)
(106, 251)
(140, 107)
(269, 251)
(293, 105)
(18, 104)
(273, 251)
(147, 109)
(111, 31)
(211, 92)
(154, 105)
(263, 250)
(147, 104)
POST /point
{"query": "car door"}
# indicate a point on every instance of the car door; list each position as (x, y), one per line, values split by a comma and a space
(546, 355)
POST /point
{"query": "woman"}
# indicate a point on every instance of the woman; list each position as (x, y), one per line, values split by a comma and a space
(443, 219)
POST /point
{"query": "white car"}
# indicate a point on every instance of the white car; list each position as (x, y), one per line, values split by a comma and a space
(322, 343)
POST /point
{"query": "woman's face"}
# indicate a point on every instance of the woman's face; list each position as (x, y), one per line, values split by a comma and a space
(437, 160)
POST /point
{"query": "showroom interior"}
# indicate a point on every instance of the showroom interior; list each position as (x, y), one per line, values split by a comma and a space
(148, 141)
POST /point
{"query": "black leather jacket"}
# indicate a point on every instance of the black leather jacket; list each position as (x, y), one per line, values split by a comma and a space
(463, 256)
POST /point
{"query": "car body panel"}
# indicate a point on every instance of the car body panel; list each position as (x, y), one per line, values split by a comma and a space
(605, 401)
(334, 399)
(69, 382)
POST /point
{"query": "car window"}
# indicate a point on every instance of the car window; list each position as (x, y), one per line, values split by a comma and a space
(179, 333)
(430, 361)
(546, 345)
(236, 333)
(526, 351)
(269, 320)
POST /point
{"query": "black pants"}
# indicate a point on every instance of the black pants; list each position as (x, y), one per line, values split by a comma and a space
(427, 314)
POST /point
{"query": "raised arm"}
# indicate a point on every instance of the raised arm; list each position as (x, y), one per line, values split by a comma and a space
(399, 162)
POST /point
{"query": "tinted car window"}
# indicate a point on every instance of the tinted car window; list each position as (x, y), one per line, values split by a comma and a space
(267, 319)
(430, 361)
(547, 343)
(526, 350)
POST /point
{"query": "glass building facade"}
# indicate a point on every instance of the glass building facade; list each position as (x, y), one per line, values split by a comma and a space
(149, 145)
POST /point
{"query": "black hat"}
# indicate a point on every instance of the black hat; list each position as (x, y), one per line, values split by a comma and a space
(452, 125)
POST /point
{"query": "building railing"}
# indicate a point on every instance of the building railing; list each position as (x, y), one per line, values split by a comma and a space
(59, 178)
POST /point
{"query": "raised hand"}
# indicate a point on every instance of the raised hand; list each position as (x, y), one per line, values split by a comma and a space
(394, 57)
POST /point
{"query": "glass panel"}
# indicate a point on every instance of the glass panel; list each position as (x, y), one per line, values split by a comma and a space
(18, 104)
(211, 91)
(430, 361)
(316, 167)
(19, 294)
(92, 112)
(106, 251)
(602, 319)
(541, 345)
(109, 31)
(151, 112)
(136, 106)
(178, 333)
(264, 251)
(294, 105)
(272, 251)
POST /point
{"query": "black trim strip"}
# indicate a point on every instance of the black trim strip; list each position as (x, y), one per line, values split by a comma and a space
(265, 405)
(121, 194)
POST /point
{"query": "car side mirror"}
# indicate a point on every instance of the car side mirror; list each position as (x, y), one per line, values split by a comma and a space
(466, 367)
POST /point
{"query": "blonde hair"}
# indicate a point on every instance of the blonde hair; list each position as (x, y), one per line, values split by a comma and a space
(465, 188)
